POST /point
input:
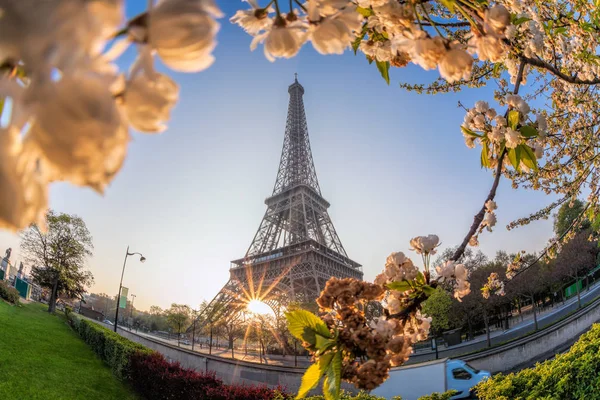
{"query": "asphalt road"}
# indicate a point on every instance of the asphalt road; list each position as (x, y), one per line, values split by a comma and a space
(518, 330)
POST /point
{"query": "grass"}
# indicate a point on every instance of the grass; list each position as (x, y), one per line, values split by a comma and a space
(42, 358)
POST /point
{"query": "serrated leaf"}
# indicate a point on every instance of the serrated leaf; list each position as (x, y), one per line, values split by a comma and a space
(305, 325)
(513, 119)
(313, 375)
(514, 160)
(469, 132)
(528, 157)
(528, 131)
(365, 12)
(384, 70)
(485, 159)
(333, 378)
(400, 286)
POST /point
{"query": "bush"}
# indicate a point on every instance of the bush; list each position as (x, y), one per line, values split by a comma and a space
(154, 378)
(68, 310)
(8, 293)
(572, 375)
(112, 348)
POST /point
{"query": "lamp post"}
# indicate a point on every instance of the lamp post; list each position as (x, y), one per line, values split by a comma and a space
(194, 312)
(142, 259)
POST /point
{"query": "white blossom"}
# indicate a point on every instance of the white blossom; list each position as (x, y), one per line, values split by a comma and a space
(148, 98)
(487, 48)
(333, 34)
(482, 106)
(497, 133)
(425, 244)
(496, 19)
(183, 33)
(253, 20)
(79, 130)
(456, 64)
(490, 205)
(24, 194)
(489, 221)
(513, 138)
(281, 41)
(446, 270)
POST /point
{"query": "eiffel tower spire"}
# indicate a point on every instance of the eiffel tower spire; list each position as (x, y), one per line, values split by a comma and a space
(296, 166)
(296, 211)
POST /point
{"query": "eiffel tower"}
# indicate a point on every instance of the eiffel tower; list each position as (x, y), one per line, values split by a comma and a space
(296, 248)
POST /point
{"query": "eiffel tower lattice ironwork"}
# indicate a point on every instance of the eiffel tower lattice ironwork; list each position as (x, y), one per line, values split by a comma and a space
(296, 248)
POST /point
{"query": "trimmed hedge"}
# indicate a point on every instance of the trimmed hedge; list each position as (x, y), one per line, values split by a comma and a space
(153, 377)
(8, 293)
(111, 347)
(572, 375)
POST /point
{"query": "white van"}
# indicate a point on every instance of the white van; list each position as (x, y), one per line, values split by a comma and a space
(413, 381)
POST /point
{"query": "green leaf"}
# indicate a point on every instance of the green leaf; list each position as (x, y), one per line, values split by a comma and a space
(449, 4)
(370, 60)
(514, 158)
(333, 378)
(521, 20)
(323, 344)
(313, 375)
(305, 325)
(513, 119)
(356, 43)
(528, 131)
(485, 159)
(469, 132)
(400, 286)
(428, 290)
(384, 70)
(420, 278)
(365, 12)
(528, 156)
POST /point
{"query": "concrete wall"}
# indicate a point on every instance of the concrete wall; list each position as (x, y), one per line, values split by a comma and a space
(230, 371)
(539, 346)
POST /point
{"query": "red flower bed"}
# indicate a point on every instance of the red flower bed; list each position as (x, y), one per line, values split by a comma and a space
(153, 377)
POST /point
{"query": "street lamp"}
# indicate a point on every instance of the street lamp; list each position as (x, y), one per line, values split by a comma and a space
(142, 259)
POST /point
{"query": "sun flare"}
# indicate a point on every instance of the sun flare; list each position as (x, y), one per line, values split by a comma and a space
(258, 307)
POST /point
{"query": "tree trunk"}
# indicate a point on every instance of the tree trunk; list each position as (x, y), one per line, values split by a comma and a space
(53, 296)
(535, 321)
(470, 326)
(487, 328)
(578, 291)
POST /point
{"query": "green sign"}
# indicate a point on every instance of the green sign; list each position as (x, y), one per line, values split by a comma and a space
(123, 299)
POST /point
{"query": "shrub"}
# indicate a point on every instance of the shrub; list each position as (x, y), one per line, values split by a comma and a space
(8, 293)
(572, 375)
(68, 310)
(112, 348)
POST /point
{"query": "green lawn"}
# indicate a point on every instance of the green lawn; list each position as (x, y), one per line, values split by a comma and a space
(42, 358)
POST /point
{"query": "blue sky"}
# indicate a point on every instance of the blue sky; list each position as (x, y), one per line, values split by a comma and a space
(392, 164)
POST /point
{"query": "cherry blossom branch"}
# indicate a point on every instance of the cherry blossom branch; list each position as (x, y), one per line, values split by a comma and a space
(537, 62)
(479, 216)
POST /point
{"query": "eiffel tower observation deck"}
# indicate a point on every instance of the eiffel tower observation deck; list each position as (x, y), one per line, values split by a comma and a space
(296, 248)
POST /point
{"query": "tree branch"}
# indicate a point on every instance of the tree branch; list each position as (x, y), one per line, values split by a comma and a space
(479, 216)
(537, 62)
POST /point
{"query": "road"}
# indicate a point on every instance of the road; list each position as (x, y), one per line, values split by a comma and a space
(518, 330)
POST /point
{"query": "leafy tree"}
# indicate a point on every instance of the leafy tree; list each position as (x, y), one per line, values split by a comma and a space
(576, 258)
(59, 255)
(179, 317)
(567, 214)
(438, 307)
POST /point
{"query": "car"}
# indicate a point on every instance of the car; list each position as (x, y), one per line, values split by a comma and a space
(107, 322)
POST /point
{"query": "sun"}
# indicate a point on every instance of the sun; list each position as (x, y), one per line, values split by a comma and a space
(258, 307)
